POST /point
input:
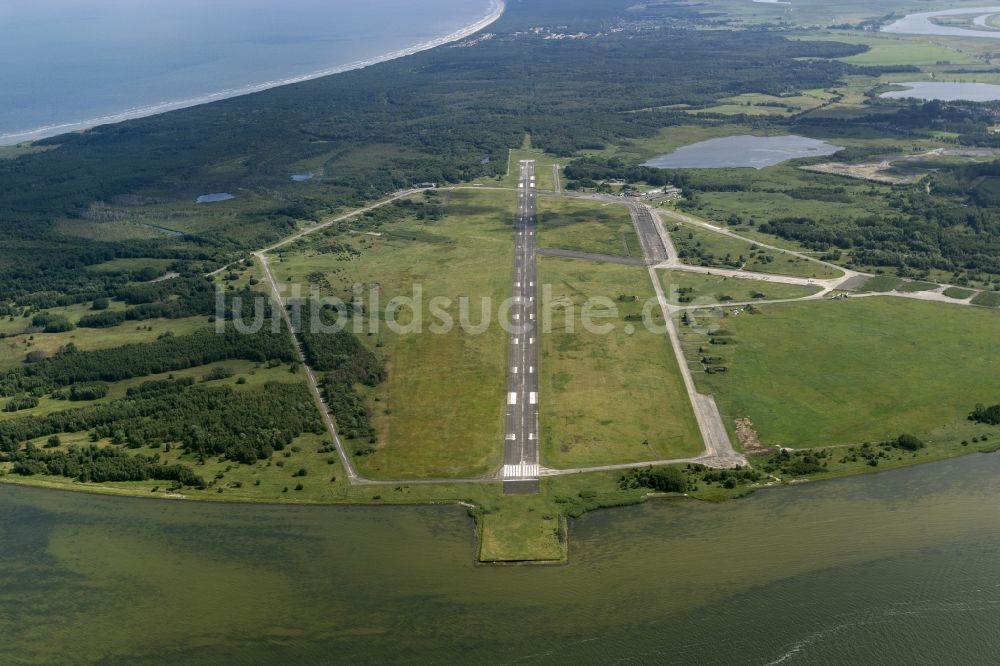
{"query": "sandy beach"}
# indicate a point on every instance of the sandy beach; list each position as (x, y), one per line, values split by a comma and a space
(495, 11)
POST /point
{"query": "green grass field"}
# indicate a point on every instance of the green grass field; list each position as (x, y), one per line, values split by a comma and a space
(881, 283)
(845, 372)
(990, 299)
(12, 325)
(440, 414)
(913, 286)
(759, 104)
(892, 49)
(608, 398)
(703, 247)
(958, 293)
(717, 288)
(586, 226)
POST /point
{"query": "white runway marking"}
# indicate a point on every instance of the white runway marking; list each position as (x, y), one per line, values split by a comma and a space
(521, 471)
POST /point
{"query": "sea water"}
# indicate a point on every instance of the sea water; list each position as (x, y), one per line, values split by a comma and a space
(66, 64)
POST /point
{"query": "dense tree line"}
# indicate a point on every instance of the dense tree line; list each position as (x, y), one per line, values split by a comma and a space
(345, 363)
(338, 353)
(169, 299)
(97, 465)
(19, 402)
(594, 168)
(71, 366)
(242, 425)
(82, 392)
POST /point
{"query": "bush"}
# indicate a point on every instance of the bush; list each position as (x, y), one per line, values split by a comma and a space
(18, 403)
(908, 442)
(51, 323)
(662, 479)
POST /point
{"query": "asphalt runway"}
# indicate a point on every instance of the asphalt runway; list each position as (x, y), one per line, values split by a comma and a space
(520, 460)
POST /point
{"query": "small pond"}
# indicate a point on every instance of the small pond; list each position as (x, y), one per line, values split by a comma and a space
(946, 91)
(742, 151)
(217, 196)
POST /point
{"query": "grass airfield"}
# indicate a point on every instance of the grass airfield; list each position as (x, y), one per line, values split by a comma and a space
(824, 374)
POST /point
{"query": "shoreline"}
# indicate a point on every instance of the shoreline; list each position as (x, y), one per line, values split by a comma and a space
(494, 12)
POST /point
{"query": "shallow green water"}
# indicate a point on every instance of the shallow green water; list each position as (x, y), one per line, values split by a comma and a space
(902, 567)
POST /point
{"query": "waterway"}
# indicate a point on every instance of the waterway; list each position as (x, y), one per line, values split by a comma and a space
(899, 567)
(922, 23)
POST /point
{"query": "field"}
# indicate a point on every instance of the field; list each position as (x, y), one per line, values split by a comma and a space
(846, 372)
(759, 104)
(14, 348)
(990, 299)
(699, 288)
(703, 247)
(891, 49)
(242, 375)
(440, 412)
(614, 397)
(958, 293)
(586, 226)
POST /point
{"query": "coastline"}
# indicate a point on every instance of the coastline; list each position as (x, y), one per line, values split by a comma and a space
(494, 12)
